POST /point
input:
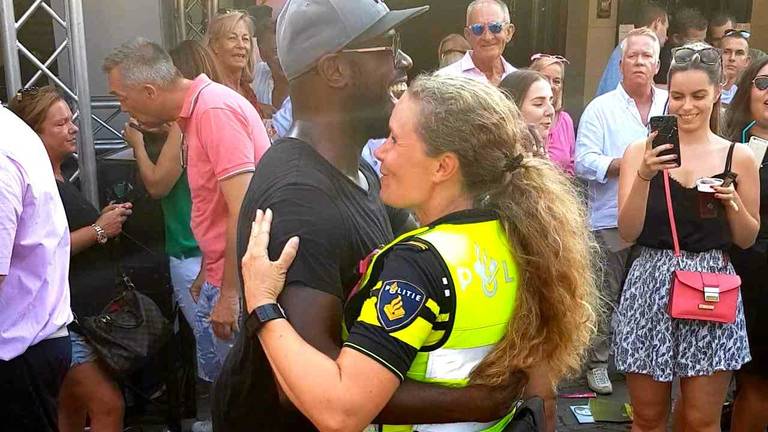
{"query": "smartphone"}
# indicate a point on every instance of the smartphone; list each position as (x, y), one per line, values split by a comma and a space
(667, 127)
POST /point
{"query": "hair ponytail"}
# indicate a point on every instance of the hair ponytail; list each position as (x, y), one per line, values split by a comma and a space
(542, 215)
(547, 229)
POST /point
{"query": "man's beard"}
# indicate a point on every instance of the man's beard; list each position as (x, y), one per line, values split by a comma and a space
(370, 110)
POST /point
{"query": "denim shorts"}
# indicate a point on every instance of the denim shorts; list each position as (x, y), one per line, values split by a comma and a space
(82, 352)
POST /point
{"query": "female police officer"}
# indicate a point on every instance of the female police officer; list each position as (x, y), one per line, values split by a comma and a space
(498, 279)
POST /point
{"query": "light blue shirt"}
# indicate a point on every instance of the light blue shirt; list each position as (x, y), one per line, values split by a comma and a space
(726, 96)
(262, 83)
(283, 119)
(611, 74)
(608, 125)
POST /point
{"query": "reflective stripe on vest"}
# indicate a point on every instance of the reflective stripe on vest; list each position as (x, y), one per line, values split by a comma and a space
(484, 276)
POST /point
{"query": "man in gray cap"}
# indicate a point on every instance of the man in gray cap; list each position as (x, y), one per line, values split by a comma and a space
(346, 71)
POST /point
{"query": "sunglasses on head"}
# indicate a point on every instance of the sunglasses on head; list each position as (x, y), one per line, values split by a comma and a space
(29, 91)
(740, 33)
(761, 82)
(554, 58)
(494, 27)
(708, 55)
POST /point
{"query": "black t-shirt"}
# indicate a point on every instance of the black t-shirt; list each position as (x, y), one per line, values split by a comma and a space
(92, 272)
(339, 224)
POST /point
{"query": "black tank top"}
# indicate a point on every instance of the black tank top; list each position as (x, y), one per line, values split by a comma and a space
(696, 234)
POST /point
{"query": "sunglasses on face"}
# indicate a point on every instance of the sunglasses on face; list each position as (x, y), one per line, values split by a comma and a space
(554, 58)
(761, 82)
(709, 55)
(394, 47)
(740, 33)
(495, 27)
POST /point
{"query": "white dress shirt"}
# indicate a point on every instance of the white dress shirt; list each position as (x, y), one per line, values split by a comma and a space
(466, 67)
(608, 125)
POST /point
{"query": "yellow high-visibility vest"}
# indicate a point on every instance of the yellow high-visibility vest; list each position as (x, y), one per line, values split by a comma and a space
(484, 278)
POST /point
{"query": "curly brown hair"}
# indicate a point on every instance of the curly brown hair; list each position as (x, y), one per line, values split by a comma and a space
(543, 217)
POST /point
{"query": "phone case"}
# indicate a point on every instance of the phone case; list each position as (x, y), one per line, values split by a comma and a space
(667, 127)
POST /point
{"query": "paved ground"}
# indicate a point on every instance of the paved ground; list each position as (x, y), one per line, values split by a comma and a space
(565, 418)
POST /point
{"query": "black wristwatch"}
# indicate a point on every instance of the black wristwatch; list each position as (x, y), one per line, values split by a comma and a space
(260, 316)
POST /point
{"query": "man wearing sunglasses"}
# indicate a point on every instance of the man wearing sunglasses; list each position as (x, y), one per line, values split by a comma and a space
(735, 53)
(488, 31)
(345, 72)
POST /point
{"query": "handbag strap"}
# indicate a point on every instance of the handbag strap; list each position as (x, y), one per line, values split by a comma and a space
(671, 213)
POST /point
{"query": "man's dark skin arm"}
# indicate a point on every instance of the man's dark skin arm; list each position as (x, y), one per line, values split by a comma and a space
(414, 402)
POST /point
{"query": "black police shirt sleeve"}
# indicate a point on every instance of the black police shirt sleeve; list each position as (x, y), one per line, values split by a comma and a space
(398, 316)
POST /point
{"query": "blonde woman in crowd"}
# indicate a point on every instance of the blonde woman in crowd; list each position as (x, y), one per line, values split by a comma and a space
(230, 39)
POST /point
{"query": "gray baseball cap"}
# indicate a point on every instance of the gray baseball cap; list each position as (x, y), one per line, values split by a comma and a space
(310, 29)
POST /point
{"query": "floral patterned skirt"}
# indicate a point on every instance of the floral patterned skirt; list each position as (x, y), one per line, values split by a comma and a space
(647, 340)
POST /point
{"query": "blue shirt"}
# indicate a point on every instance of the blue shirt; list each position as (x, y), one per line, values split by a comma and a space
(611, 74)
(283, 119)
(608, 125)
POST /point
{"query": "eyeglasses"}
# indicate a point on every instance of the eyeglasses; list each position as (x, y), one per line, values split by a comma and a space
(761, 82)
(740, 33)
(494, 27)
(708, 55)
(395, 48)
(554, 58)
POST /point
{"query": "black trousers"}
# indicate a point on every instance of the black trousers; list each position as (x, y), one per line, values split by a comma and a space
(30, 384)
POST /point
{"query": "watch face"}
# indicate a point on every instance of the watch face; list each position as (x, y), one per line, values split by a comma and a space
(261, 315)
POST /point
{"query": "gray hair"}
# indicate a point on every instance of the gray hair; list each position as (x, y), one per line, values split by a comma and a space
(499, 3)
(642, 31)
(142, 61)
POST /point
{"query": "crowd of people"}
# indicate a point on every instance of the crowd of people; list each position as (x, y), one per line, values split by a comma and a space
(440, 253)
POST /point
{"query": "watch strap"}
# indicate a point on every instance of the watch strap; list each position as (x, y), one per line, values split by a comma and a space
(101, 235)
(261, 315)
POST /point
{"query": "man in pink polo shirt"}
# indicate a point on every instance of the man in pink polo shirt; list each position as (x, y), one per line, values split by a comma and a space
(224, 138)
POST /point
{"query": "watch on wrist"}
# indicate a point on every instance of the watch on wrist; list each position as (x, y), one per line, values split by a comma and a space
(101, 235)
(261, 315)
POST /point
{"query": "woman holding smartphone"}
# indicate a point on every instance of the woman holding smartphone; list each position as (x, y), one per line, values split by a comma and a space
(747, 121)
(651, 347)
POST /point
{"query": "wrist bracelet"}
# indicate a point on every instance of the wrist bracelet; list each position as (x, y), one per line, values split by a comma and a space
(641, 177)
(101, 235)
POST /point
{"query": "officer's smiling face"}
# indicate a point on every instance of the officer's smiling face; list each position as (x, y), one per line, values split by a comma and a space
(406, 169)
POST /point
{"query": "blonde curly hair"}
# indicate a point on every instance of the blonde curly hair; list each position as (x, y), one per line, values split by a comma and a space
(542, 215)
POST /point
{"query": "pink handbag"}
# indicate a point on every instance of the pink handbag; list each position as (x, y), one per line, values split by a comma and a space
(699, 295)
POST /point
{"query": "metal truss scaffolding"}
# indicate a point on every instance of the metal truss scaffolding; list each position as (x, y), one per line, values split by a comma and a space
(192, 16)
(73, 43)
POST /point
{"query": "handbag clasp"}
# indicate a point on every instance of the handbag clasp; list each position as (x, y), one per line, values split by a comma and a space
(711, 294)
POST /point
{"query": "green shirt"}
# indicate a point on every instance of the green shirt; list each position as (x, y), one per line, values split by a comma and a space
(177, 212)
